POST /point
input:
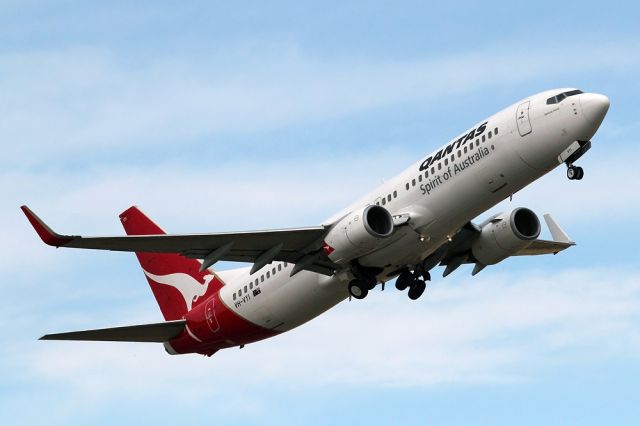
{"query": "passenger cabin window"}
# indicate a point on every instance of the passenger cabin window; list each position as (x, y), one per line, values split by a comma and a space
(261, 278)
(245, 289)
(251, 285)
(384, 201)
(420, 178)
(439, 166)
(235, 296)
(483, 139)
(280, 267)
(413, 182)
(489, 135)
(495, 130)
(273, 271)
(395, 194)
(433, 169)
(389, 197)
(407, 186)
(268, 274)
(256, 282)
(446, 161)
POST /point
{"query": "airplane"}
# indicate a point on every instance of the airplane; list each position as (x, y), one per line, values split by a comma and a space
(420, 219)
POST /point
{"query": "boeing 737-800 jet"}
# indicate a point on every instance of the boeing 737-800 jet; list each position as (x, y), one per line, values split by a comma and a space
(403, 229)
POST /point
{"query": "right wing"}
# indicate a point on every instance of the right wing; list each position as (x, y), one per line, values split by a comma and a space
(458, 251)
(300, 246)
(159, 333)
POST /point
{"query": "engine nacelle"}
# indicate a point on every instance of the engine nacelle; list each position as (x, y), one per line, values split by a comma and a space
(505, 234)
(359, 232)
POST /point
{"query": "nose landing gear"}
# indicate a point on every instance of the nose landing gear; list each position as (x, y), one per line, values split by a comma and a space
(574, 172)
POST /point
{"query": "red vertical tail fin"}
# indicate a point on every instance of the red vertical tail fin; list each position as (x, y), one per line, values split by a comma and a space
(175, 280)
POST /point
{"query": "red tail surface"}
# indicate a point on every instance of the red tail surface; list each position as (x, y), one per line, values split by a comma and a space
(175, 280)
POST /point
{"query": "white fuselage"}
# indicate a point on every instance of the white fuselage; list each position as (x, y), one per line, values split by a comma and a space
(517, 146)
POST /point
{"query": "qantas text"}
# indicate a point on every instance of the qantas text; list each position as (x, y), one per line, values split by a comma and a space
(474, 133)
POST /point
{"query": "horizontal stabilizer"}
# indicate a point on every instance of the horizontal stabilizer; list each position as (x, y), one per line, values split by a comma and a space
(159, 333)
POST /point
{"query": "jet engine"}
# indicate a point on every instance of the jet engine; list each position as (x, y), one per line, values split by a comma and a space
(359, 232)
(505, 234)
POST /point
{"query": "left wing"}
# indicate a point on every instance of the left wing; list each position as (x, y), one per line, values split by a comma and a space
(300, 246)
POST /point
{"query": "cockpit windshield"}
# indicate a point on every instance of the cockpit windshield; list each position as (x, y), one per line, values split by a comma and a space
(560, 97)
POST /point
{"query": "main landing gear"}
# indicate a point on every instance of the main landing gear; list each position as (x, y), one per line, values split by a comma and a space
(359, 288)
(364, 281)
(412, 281)
(574, 172)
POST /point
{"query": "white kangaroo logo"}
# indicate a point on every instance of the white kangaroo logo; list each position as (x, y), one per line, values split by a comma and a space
(189, 287)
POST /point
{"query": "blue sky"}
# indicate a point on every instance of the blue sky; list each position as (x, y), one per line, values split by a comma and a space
(262, 115)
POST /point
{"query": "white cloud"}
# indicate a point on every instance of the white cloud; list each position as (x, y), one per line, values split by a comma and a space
(492, 329)
(85, 100)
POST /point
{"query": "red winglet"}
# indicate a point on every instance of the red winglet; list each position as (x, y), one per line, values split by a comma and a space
(44, 232)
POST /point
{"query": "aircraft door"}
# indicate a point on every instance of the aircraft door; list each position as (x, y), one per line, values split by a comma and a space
(522, 118)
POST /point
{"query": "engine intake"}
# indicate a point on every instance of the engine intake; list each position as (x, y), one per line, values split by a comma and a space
(505, 234)
(359, 232)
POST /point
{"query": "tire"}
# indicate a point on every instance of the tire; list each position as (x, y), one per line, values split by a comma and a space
(358, 289)
(571, 173)
(404, 280)
(579, 173)
(416, 289)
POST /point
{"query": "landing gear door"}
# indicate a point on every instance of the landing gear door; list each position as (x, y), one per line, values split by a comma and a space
(522, 118)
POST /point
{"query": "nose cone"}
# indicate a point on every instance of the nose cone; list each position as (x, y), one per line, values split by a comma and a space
(594, 107)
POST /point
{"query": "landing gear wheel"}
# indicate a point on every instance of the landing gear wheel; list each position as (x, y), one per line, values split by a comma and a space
(404, 280)
(426, 276)
(358, 289)
(575, 173)
(416, 289)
